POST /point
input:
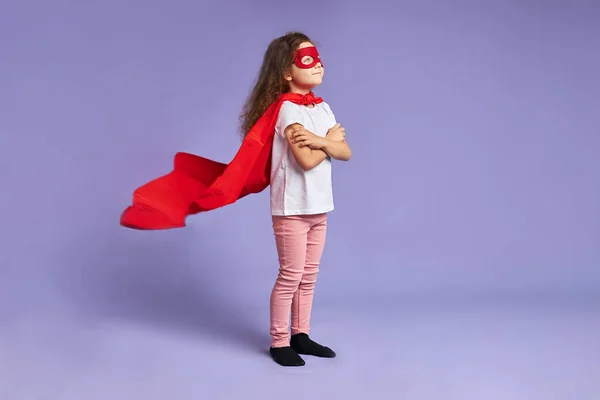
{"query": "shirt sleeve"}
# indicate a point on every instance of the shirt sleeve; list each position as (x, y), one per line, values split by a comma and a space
(288, 114)
(332, 120)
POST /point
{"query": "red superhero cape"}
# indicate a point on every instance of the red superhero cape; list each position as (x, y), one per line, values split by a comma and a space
(198, 184)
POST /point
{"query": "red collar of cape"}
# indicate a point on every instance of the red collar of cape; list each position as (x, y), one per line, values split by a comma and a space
(198, 184)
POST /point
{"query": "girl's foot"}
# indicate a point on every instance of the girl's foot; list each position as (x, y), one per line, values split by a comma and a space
(286, 357)
(304, 345)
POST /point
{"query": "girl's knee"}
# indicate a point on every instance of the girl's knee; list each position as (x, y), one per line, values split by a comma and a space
(289, 279)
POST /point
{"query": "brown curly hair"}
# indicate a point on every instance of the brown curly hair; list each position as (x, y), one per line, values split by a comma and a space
(270, 83)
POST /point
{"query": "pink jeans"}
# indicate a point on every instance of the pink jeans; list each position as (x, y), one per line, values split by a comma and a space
(300, 241)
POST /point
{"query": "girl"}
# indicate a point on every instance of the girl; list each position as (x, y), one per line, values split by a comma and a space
(290, 137)
(307, 137)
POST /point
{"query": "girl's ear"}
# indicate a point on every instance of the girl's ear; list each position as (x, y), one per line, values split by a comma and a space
(287, 76)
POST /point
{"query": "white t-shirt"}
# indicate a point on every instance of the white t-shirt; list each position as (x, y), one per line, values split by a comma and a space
(293, 190)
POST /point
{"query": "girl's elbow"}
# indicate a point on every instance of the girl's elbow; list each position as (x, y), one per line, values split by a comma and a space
(305, 165)
(308, 166)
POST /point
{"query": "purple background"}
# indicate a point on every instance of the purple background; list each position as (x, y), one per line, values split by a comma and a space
(462, 259)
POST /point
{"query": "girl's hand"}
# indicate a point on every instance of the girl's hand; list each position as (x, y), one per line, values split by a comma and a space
(305, 138)
(337, 133)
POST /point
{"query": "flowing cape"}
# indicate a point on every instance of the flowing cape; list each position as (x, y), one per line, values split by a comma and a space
(197, 184)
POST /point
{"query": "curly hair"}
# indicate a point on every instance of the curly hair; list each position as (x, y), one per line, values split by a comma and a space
(270, 83)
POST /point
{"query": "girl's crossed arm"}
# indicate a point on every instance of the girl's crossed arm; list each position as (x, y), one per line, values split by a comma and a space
(305, 156)
(316, 148)
(337, 149)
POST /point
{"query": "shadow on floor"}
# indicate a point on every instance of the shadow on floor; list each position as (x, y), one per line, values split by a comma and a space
(158, 279)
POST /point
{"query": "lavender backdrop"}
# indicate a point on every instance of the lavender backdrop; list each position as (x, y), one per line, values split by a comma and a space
(475, 182)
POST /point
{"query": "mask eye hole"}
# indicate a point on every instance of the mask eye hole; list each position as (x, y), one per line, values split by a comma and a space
(307, 60)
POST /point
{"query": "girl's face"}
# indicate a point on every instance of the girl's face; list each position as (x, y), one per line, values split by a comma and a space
(304, 79)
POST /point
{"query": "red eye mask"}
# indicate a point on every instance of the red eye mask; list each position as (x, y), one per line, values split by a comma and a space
(308, 63)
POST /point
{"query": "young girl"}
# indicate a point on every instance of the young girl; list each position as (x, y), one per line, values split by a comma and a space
(290, 137)
(307, 137)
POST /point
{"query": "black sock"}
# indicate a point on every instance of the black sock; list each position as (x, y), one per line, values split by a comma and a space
(286, 356)
(304, 345)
